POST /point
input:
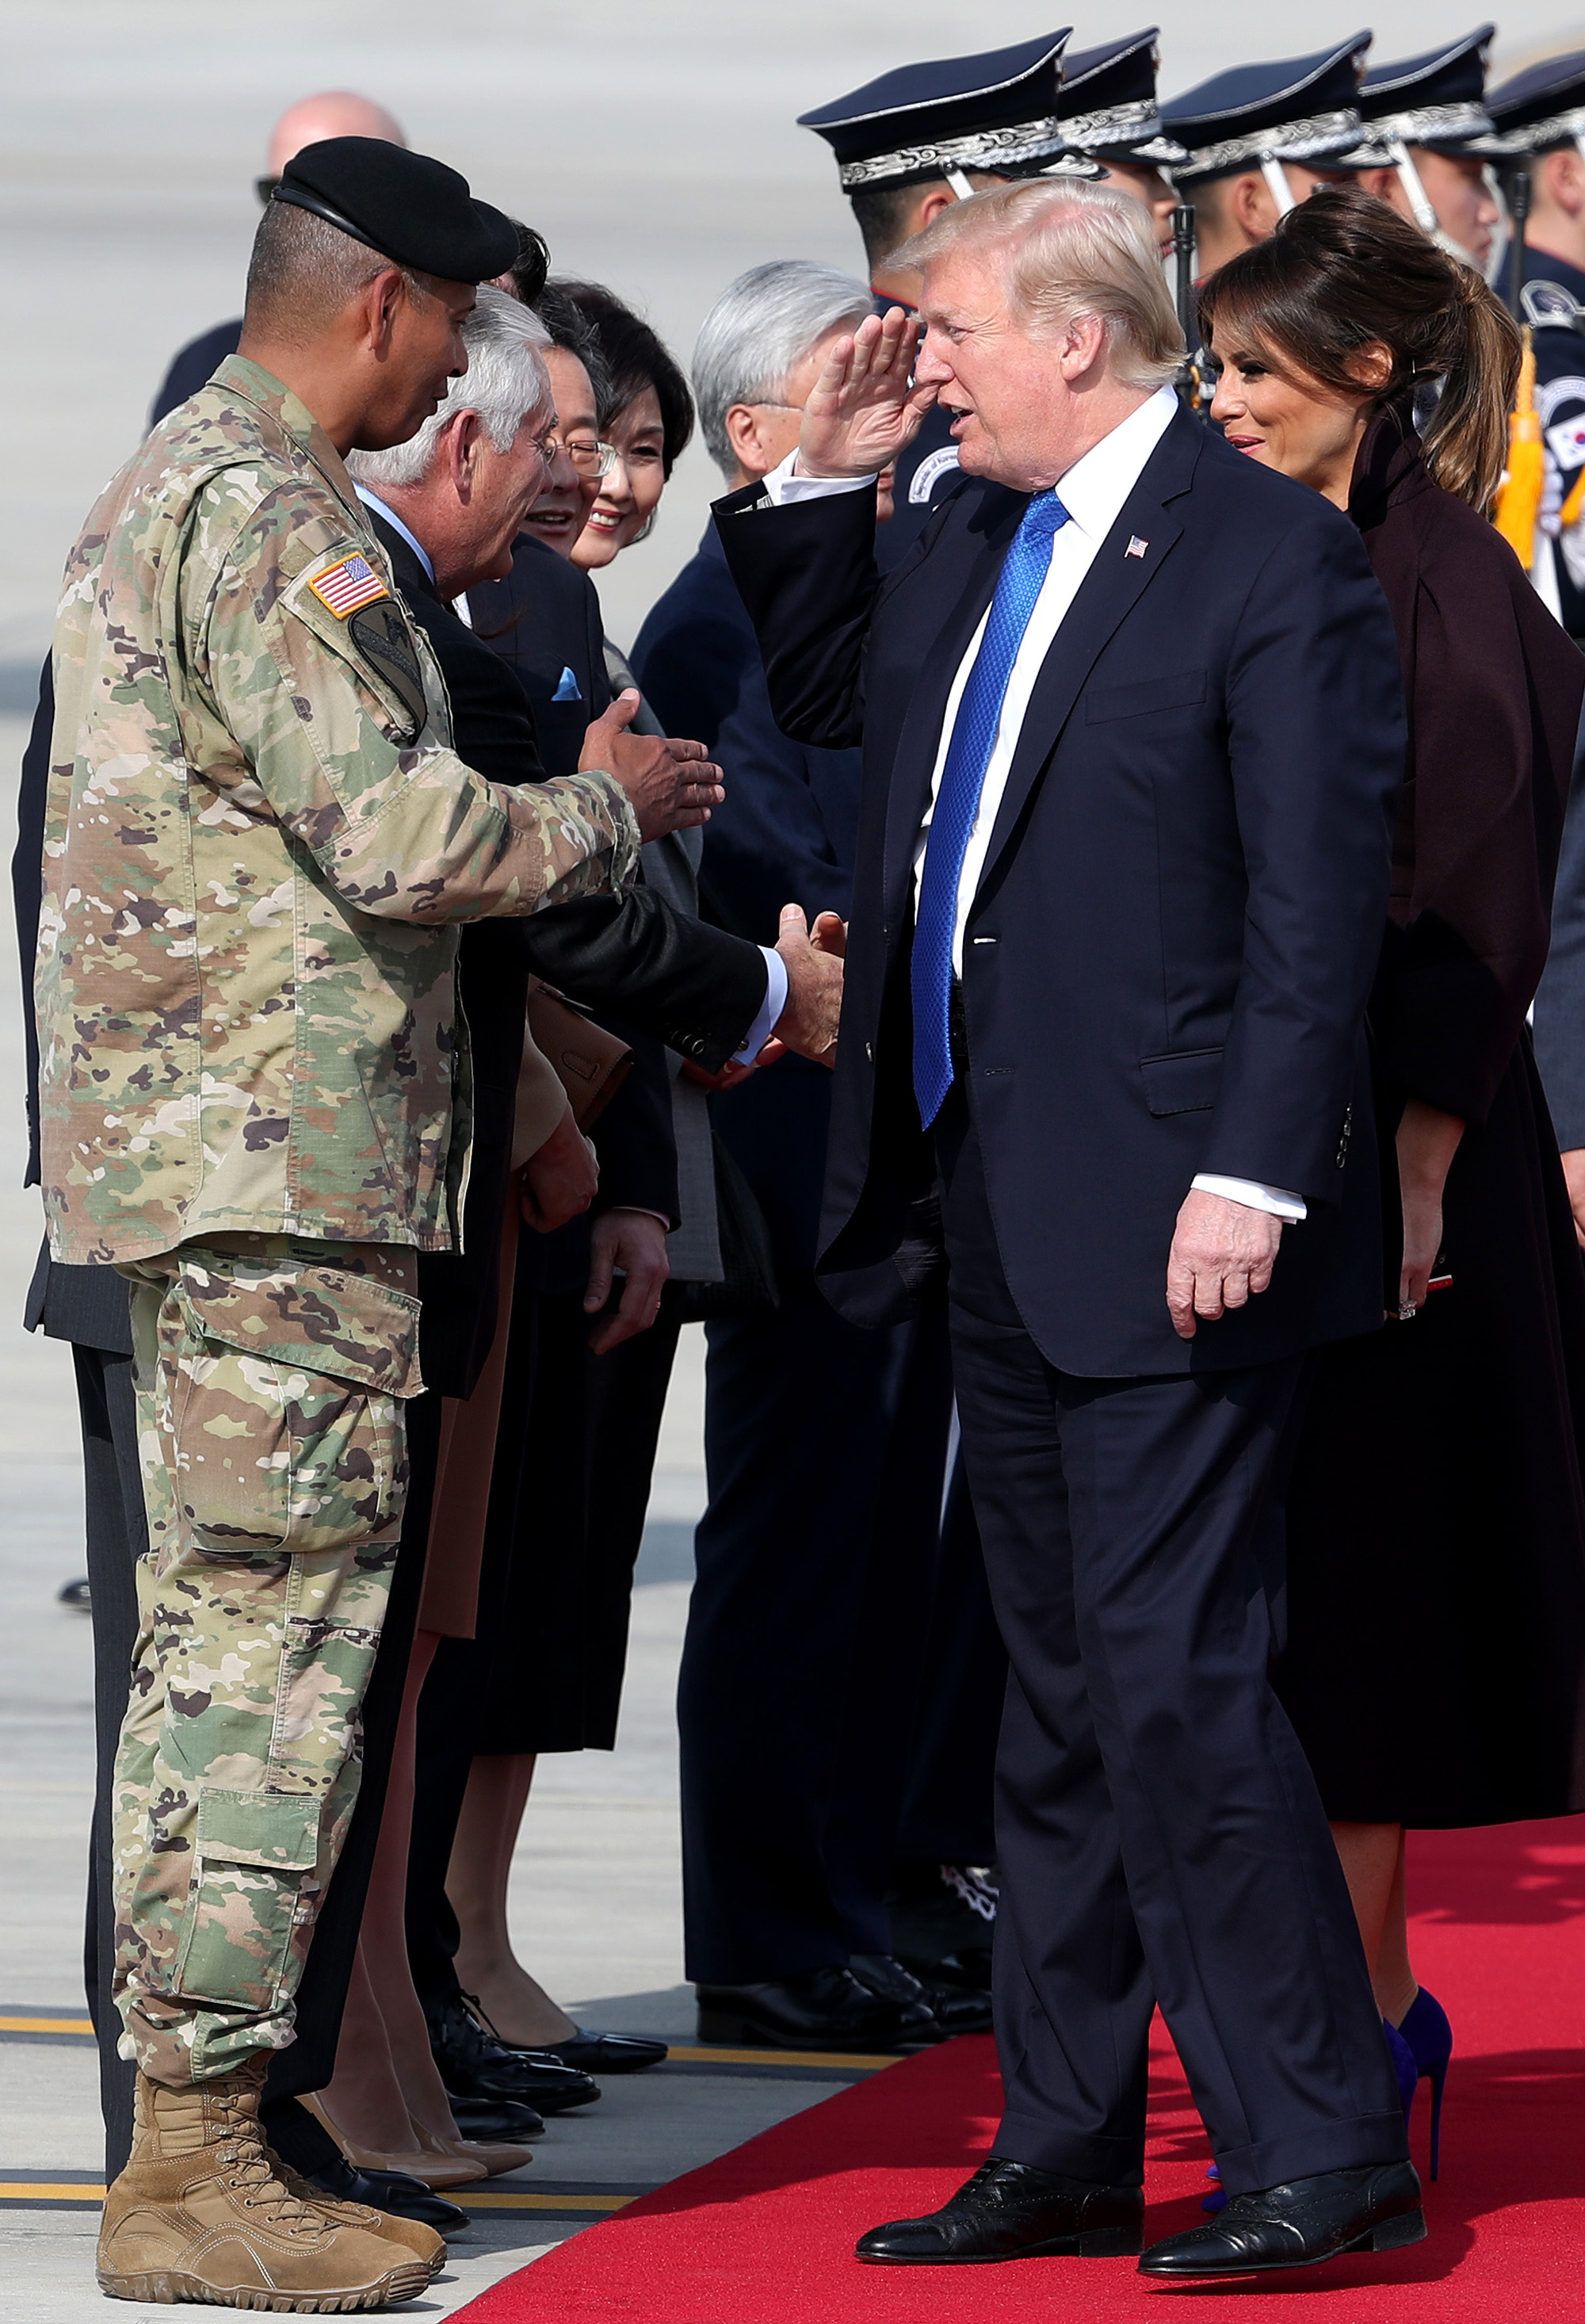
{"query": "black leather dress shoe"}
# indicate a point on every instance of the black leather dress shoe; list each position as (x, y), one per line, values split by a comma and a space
(494, 2119)
(954, 2011)
(607, 2054)
(822, 2009)
(1010, 2211)
(387, 2190)
(473, 2065)
(1377, 2209)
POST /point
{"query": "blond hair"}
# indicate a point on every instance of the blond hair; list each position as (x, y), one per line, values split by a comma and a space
(1068, 250)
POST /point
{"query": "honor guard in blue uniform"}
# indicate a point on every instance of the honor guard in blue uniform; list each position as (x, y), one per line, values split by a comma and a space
(1540, 117)
(907, 144)
(1259, 139)
(1107, 110)
(1430, 141)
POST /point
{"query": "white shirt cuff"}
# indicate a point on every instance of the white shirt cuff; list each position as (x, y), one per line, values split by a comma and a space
(771, 1007)
(781, 487)
(1255, 1196)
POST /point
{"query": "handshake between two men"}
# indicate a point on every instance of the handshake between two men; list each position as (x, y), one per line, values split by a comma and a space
(673, 786)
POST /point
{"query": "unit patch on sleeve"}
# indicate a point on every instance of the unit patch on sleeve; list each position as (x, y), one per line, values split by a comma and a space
(383, 638)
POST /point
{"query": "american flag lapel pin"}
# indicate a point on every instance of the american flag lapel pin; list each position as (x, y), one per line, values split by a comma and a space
(1136, 546)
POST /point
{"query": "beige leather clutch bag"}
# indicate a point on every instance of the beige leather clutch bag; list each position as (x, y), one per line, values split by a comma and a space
(590, 1063)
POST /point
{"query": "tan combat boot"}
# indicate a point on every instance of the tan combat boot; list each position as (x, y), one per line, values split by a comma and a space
(412, 2235)
(198, 2214)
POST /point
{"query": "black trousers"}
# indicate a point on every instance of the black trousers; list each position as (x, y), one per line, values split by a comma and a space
(1160, 1835)
(948, 1811)
(117, 1537)
(825, 1447)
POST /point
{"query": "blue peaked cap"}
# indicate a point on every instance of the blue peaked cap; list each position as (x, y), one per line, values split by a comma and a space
(994, 112)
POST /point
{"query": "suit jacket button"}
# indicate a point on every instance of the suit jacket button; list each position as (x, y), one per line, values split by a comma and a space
(869, 1053)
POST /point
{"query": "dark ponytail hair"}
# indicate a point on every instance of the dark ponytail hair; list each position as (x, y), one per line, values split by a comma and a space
(1343, 271)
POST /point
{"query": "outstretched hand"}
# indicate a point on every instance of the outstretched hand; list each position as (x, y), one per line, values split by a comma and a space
(809, 1020)
(863, 410)
(671, 784)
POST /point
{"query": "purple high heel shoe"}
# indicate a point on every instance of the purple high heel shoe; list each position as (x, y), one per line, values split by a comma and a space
(1427, 2036)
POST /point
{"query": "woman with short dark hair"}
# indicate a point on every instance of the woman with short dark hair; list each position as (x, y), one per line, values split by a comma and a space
(1436, 1522)
(646, 416)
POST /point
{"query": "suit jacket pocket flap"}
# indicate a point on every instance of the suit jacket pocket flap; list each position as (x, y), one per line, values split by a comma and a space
(321, 1319)
(278, 1829)
(1187, 1083)
(1178, 691)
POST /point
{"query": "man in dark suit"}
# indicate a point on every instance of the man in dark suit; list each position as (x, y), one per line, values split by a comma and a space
(447, 510)
(814, 1581)
(1133, 727)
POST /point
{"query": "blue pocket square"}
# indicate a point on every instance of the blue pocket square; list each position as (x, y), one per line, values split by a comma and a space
(566, 688)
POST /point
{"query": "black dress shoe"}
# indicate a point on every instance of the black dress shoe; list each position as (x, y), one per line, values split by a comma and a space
(473, 2065)
(1010, 2211)
(822, 2009)
(1377, 2209)
(954, 2012)
(387, 2190)
(606, 2053)
(497, 2119)
(941, 1917)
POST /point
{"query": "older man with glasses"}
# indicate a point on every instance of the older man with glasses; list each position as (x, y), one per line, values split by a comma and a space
(448, 508)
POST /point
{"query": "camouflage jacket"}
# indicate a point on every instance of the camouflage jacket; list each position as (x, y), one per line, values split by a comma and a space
(259, 841)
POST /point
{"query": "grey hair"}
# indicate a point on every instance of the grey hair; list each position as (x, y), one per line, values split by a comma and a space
(1069, 249)
(756, 332)
(505, 381)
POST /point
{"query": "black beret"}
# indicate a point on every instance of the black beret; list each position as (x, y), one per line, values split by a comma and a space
(403, 205)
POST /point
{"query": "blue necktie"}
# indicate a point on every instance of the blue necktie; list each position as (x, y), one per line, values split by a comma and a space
(957, 803)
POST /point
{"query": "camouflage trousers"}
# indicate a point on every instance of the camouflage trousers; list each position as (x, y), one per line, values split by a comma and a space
(270, 1375)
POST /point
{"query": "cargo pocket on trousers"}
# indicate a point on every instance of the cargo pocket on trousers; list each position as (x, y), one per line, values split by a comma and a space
(253, 1850)
(289, 1437)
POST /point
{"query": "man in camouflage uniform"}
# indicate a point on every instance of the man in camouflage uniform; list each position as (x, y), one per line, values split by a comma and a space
(254, 1085)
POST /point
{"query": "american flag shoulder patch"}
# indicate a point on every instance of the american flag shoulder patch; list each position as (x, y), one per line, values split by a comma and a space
(348, 584)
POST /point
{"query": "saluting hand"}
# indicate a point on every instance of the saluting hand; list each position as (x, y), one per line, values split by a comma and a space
(671, 784)
(864, 409)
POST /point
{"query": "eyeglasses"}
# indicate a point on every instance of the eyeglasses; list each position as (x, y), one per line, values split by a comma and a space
(589, 457)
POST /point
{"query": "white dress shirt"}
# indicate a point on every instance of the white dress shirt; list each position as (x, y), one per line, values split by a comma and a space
(1092, 491)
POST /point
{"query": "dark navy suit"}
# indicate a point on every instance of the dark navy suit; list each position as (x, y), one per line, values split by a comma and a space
(1166, 969)
(193, 365)
(824, 1443)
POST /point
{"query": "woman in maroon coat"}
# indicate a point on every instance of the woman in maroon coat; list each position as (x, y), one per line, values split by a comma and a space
(1435, 1660)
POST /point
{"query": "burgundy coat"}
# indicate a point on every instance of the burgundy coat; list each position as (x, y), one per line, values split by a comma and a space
(1494, 689)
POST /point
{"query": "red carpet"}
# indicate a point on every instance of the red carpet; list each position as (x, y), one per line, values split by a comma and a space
(765, 2236)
